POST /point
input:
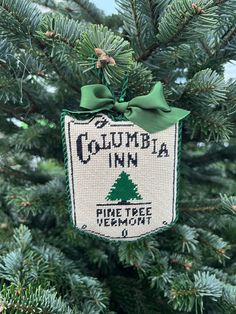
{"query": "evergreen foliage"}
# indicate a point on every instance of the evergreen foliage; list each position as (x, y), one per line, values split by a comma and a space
(46, 266)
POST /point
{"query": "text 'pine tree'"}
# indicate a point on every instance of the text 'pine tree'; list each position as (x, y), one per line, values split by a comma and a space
(46, 56)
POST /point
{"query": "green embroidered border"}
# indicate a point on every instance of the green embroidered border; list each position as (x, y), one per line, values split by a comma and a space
(115, 117)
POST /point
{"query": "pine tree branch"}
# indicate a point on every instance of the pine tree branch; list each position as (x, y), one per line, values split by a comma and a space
(222, 205)
(181, 27)
(15, 306)
(198, 209)
(61, 76)
(26, 15)
(218, 55)
(220, 2)
(13, 112)
(203, 42)
(17, 111)
(31, 300)
(32, 177)
(49, 58)
(202, 209)
(63, 48)
(137, 26)
(199, 177)
(39, 44)
(228, 153)
(184, 17)
(152, 20)
(227, 37)
(147, 53)
(151, 4)
(91, 11)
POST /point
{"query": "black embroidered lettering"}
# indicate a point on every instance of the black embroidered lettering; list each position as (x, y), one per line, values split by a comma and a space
(118, 212)
(110, 160)
(105, 145)
(141, 220)
(132, 137)
(106, 222)
(101, 123)
(132, 221)
(122, 222)
(132, 159)
(145, 140)
(100, 222)
(93, 147)
(154, 141)
(113, 222)
(116, 142)
(79, 145)
(142, 211)
(127, 211)
(163, 152)
(148, 212)
(119, 160)
(99, 211)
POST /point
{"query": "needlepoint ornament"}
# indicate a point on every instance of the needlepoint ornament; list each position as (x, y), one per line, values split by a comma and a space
(122, 163)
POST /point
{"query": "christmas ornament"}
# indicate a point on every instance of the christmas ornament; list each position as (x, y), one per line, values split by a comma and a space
(122, 163)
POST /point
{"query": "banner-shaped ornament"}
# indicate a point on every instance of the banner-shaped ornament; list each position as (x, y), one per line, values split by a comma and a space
(122, 180)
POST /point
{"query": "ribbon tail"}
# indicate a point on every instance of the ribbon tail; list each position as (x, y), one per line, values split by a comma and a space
(155, 120)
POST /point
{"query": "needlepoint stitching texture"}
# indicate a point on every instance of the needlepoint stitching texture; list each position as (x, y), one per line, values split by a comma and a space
(122, 180)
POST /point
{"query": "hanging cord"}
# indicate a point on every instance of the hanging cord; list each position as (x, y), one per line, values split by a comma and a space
(102, 77)
(104, 59)
(124, 85)
(124, 88)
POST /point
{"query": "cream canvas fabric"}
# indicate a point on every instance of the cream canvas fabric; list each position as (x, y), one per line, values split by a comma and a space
(122, 180)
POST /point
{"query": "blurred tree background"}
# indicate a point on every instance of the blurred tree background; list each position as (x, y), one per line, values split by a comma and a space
(47, 266)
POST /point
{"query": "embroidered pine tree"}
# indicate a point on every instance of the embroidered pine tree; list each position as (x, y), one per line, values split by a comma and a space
(123, 190)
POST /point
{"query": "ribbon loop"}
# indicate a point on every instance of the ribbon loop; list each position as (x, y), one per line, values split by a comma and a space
(96, 97)
(151, 112)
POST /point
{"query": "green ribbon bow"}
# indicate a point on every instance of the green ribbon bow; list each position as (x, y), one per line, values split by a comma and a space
(150, 112)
